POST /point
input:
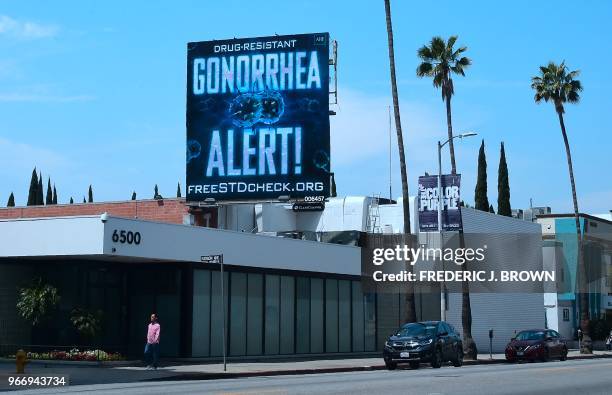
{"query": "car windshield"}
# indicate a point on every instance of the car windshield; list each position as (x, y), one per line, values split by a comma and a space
(530, 335)
(416, 330)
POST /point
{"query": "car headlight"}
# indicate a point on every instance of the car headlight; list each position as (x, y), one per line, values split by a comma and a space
(426, 342)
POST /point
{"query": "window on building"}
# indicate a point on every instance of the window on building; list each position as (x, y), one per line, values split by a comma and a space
(566, 314)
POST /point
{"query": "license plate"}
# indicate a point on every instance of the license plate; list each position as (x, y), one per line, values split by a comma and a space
(404, 355)
(520, 353)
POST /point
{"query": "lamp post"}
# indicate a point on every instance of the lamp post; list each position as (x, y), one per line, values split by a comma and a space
(440, 204)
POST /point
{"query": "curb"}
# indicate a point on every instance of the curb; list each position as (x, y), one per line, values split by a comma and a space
(59, 362)
(214, 376)
(230, 375)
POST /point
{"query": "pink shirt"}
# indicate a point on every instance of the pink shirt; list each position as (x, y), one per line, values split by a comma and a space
(153, 333)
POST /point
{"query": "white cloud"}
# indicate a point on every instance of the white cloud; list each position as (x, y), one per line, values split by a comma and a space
(16, 155)
(360, 129)
(41, 97)
(25, 29)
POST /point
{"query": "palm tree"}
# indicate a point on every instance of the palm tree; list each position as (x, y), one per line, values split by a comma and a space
(440, 60)
(410, 307)
(559, 85)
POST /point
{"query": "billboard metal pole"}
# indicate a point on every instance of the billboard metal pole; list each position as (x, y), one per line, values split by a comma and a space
(223, 312)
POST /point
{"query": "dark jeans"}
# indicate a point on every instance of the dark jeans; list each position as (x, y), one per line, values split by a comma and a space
(151, 354)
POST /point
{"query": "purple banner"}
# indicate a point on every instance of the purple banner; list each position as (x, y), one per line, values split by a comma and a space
(428, 203)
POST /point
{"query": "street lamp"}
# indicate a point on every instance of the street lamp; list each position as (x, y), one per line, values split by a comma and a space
(440, 204)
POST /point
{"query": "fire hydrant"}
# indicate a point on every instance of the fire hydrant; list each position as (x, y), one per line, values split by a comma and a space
(21, 358)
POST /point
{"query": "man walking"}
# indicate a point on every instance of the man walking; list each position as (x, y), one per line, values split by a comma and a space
(152, 348)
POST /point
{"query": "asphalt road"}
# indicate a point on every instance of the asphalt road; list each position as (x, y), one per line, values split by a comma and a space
(570, 377)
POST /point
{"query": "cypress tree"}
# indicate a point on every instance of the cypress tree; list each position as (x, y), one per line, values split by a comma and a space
(134, 195)
(49, 195)
(491, 209)
(178, 190)
(33, 192)
(156, 193)
(54, 195)
(333, 191)
(71, 200)
(39, 192)
(503, 186)
(480, 193)
(11, 201)
(84, 201)
(89, 195)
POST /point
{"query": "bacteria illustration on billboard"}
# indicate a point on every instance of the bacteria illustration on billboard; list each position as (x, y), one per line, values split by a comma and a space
(258, 118)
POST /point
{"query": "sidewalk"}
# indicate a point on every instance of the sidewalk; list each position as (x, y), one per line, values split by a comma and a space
(124, 374)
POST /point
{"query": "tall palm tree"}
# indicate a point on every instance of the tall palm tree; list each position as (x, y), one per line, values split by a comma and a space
(410, 307)
(440, 60)
(559, 85)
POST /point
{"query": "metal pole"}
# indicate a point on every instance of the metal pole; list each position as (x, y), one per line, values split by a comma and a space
(223, 311)
(440, 203)
(390, 183)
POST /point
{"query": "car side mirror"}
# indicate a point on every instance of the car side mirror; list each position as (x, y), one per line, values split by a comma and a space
(442, 333)
(548, 338)
(513, 338)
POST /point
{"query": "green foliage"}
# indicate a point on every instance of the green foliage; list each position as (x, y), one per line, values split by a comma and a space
(503, 186)
(33, 191)
(134, 195)
(49, 195)
(71, 200)
(156, 194)
(90, 195)
(84, 201)
(36, 302)
(178, 190)
(76, 355)
(557, 84)
(333, 191)
(440, 60)
(39, 192)
(54, 200)
(480, 193)
(11, 200)
(491, 209)
(87, 323)
(599, 329)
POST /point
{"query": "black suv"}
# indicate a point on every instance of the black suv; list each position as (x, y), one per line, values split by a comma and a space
(429, 341)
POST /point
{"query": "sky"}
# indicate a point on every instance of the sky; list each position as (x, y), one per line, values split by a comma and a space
(94, 93)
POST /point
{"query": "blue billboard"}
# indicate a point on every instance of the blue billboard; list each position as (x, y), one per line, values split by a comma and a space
(258, 118)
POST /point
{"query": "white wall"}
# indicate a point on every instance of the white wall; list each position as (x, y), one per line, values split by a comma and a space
(51, 236)
(164, 241)
(340, 214)
(503, 312)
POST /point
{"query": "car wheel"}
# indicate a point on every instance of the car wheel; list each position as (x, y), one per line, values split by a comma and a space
(458, 361)
(391, 365)
(436, 359)
(563, 356)
(414, 365)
